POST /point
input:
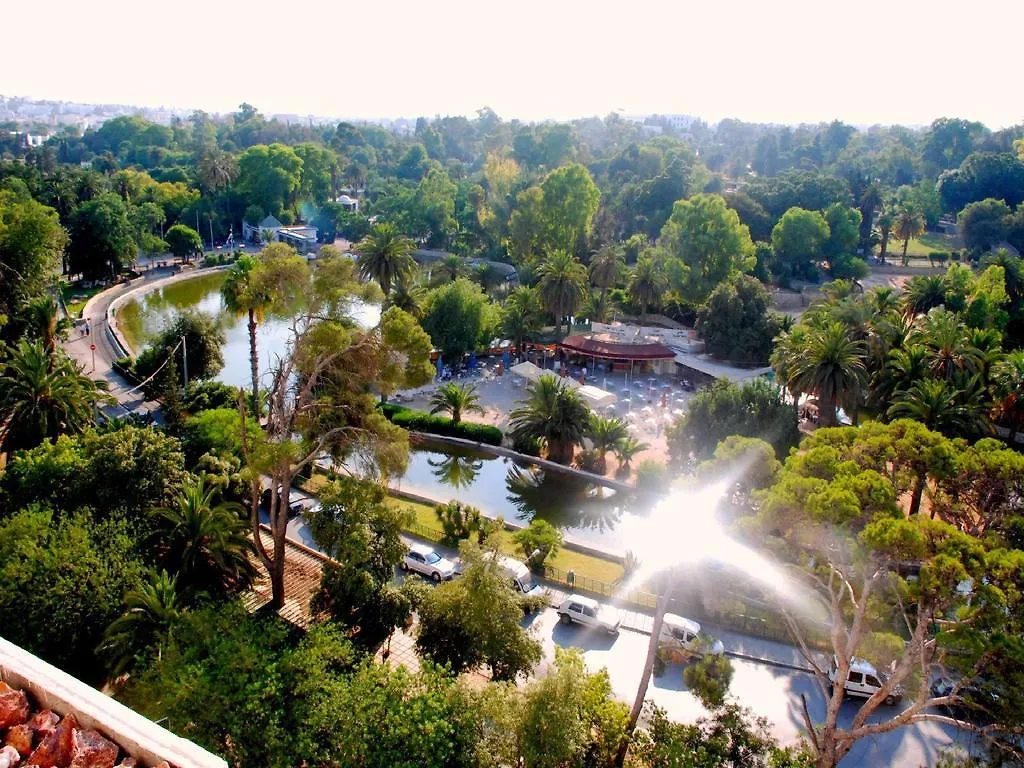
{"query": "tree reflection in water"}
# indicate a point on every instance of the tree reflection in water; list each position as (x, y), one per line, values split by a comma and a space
(561, 499)
(455, 470)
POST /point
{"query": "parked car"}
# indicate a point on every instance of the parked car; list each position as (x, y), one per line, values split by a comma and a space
(576, 609)
(424, 560)
(681, 639)
(863, 680)
(301, 507)
(979, 699)
(520, 575)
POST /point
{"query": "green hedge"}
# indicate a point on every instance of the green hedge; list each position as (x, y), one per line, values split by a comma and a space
(126, 367)
(420, 421)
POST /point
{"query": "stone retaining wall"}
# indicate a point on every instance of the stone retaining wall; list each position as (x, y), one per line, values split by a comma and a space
(117, 338)
(497, 450)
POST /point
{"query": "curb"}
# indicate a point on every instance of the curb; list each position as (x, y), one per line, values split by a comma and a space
(741, 656)
(142, 289)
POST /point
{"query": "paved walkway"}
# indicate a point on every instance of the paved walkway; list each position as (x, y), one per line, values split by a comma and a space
(741, 646)
(98, 363)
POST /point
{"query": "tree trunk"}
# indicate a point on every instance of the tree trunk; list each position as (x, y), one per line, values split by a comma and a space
(885, 247)
(827, 757)
(915, 498)
(645, 679)
(906, 244)
(254, 365)
(279, 528)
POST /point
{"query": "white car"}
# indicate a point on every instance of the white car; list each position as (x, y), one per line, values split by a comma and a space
(681, 638)
(863, 680)
(576, 609)
(425, 560)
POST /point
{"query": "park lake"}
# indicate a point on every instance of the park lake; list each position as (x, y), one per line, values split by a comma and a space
(498, 486)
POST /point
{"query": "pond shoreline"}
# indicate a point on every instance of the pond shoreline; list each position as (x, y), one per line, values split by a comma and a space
(142, 290)
(424, 438)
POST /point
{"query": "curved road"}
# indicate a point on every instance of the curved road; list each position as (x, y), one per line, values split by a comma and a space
(97, 363)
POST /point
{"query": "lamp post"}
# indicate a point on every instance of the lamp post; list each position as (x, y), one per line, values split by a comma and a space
(184, 360)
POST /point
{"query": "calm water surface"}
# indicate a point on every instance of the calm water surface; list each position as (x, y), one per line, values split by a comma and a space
(501, 487)
(141, 319)
(497, 485)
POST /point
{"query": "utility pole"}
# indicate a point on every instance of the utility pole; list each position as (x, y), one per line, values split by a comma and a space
(211, 233)
(184, 360)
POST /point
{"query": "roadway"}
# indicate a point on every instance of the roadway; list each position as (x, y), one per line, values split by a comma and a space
(766, 679)
(98, 363)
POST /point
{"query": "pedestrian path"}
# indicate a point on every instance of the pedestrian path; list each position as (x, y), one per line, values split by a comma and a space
(738, 645)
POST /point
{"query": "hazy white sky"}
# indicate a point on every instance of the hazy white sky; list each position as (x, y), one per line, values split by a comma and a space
(862, 61)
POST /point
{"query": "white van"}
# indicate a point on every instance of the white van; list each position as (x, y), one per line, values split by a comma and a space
(521, 576)
(680, 640)
(863, 680)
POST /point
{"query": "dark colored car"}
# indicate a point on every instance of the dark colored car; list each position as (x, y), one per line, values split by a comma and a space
(979, 700)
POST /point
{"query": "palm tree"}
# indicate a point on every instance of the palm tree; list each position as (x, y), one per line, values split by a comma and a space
(43, 396)
(902, 370)
(606, 267)
(205, 545)
(626, 450)
(562, 283)
(217, 169)
(924, 293)
(554, 414)
(789, 347)
(604, 434)
(941, 407)
(523, 315)
(149, 612)
(451, 267)
(884, 300)
(886, 221)
(408, 295)
(909, 223)
(490, 278)
(455, 399)
(1008, 385)
(831, 365)
(44, 323)
(385, 255)
(944, 335)
(243, 293)
(647, 283)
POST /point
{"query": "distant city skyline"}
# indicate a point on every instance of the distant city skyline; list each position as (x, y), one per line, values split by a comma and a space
(792, 61)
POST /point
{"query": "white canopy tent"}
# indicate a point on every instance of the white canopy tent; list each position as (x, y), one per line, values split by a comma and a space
(595, 396)
(531, 372)
(527, 370)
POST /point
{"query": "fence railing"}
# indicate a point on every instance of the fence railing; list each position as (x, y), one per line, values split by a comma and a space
(424, 531)
(743, 614)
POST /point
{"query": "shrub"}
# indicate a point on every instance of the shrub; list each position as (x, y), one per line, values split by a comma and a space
(529, 446)
(125, 366)
(651, 475)
(939, 257)
(209, 395)
(589, 461)
(419, 421)
(458, 521)
(539, 535)
(211, 260)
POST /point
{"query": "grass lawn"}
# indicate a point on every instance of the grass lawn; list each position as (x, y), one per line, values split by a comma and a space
(76, 298)
(597, 568)
(920, 247)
